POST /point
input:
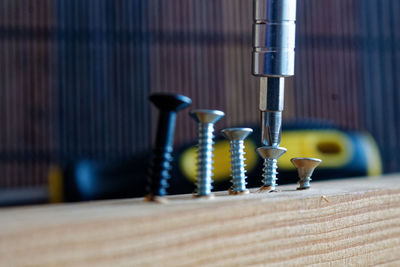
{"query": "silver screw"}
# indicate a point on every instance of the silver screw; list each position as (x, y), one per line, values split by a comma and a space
(206, 120)
(305, 168)
(270, 156)
(236, 138)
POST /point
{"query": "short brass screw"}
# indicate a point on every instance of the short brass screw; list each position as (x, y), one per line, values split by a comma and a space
(305, 168)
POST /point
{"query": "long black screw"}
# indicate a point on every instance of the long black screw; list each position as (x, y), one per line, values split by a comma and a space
(168, 105)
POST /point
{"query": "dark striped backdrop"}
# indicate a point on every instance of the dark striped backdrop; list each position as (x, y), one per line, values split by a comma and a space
(75, 75)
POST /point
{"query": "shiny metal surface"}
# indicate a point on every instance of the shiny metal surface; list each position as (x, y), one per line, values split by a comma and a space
(206, 115)
(274, 32)
(271, 107)
(273, 56)
(270, 156)
(305, 168)
(272, 94)
(236, 137)
(205, 119)
(271, 128)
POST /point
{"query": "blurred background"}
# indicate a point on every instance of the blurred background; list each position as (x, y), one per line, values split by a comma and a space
(75, 75)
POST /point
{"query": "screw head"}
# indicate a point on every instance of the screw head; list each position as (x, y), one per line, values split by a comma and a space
(207, 115)
(169, 101)
(269, 152)
(305, 166)
(237, 134)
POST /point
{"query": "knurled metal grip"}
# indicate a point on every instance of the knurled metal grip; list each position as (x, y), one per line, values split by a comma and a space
(274, 31)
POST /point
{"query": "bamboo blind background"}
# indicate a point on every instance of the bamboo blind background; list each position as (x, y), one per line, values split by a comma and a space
(75, 75)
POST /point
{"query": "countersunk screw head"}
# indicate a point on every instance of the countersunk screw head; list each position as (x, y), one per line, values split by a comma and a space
(236, 137)
(236, 134)
(170, 102)
(305, 168)
(206, 115)
(270, 156)
(268, 152)
(168, 105)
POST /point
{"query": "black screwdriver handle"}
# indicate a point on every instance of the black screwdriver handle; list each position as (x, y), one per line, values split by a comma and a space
(168, 105)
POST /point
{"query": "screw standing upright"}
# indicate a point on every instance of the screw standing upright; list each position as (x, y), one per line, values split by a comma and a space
(236, 138)
(270, 156)
(168, 105)
(206, 120)
(305, 168)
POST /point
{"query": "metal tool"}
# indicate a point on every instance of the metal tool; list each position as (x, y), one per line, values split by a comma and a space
(236, 138)
(270, 156)
(206, 120)
(305, 168)
(169, 105)
(274, 31)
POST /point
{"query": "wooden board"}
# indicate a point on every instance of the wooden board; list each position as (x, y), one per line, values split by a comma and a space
(336, 223)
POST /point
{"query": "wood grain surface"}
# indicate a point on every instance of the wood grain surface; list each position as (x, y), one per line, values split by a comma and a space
(336, 223)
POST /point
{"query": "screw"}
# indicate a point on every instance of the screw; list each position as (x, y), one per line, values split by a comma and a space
(169, 105)
(270, 156)
(206, 120)
(236, 138)
(305, 168)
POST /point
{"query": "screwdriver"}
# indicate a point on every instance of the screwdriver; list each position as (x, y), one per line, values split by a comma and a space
(274, 31)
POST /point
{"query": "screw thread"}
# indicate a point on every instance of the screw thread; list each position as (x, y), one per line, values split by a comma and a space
(304, 182)
(270, 166)
(238, 166)
(159, 171)
(204, 159)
